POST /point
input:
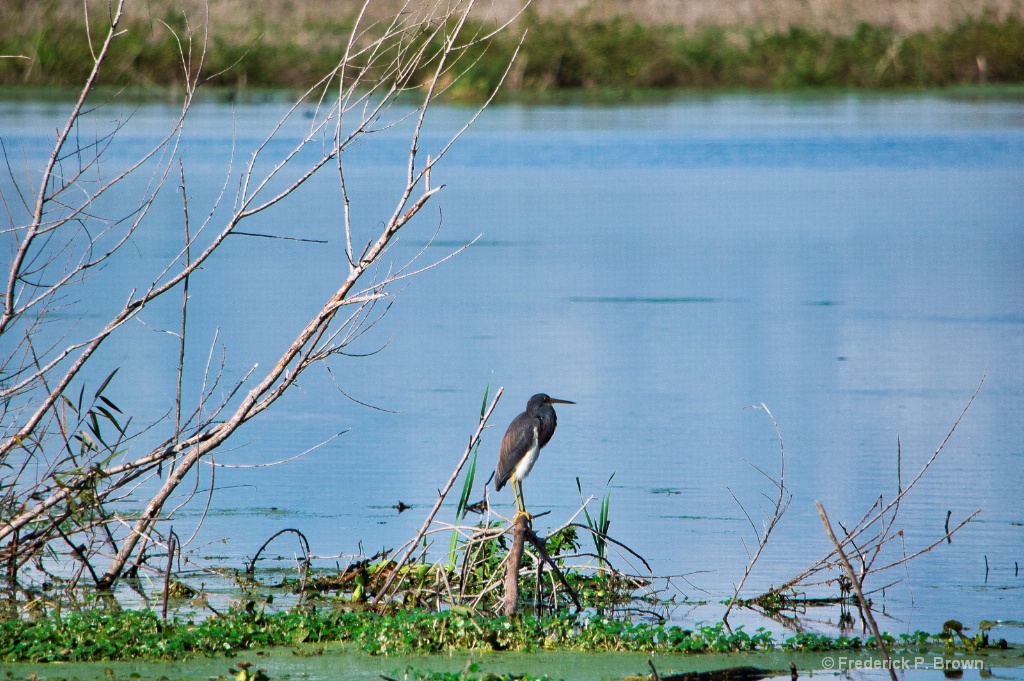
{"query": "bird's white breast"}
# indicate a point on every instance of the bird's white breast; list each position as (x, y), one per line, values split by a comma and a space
(525, 464)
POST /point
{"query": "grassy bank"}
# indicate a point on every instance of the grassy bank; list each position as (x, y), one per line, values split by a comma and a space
(558, 55)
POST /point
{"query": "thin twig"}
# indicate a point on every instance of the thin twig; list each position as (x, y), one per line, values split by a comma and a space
(781, 506)
(876, 513)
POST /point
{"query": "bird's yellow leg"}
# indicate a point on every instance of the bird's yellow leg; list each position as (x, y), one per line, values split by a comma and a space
(515, 493)
(517, 490)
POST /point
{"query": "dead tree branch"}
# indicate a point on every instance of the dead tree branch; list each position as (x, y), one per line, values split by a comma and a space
(63, 456)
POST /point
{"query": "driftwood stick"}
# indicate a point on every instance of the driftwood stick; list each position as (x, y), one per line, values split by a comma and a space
(864, 605)
(521, 531)
(515, 559)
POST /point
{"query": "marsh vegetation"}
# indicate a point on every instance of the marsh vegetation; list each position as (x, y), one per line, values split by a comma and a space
(559, 53)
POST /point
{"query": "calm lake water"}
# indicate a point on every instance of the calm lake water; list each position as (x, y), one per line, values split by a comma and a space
(855, 263)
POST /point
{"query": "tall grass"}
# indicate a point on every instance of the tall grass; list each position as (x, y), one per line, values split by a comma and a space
(558, 54)
(600, 524)
(467, 489)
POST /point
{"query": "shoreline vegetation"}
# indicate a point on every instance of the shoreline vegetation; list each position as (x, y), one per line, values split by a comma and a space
(46, 47)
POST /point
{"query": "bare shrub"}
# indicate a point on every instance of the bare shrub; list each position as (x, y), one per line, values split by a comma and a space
(77, 487)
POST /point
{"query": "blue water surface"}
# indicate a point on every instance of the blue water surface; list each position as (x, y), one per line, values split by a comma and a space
(854, 263)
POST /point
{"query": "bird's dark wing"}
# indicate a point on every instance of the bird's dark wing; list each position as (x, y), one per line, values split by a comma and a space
(517, 441)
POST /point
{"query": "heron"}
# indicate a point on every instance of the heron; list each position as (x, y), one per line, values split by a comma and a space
(525, 437)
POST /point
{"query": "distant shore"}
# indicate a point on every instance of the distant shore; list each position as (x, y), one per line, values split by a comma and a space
(565, 49)
(235, 18)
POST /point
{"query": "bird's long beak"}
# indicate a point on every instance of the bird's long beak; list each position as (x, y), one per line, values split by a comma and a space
(555, 400)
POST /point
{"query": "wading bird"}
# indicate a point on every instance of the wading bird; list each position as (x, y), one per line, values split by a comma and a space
(525, 437)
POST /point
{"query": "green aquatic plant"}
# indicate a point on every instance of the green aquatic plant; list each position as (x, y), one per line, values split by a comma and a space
(811, 642)
(467, 489)
(952, 636)
(108, 635)
(100, 635)
(599, 525)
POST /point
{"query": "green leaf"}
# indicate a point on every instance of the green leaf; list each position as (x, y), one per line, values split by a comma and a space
(110, 417)
(67, 401)
(106, 382)
(467, 486)
(110, 404)
(483, 405)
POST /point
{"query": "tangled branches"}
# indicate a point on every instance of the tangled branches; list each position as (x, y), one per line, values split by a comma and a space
(82, 493)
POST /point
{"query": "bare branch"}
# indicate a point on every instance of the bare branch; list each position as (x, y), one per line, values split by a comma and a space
(780, 507)
(62, 448)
